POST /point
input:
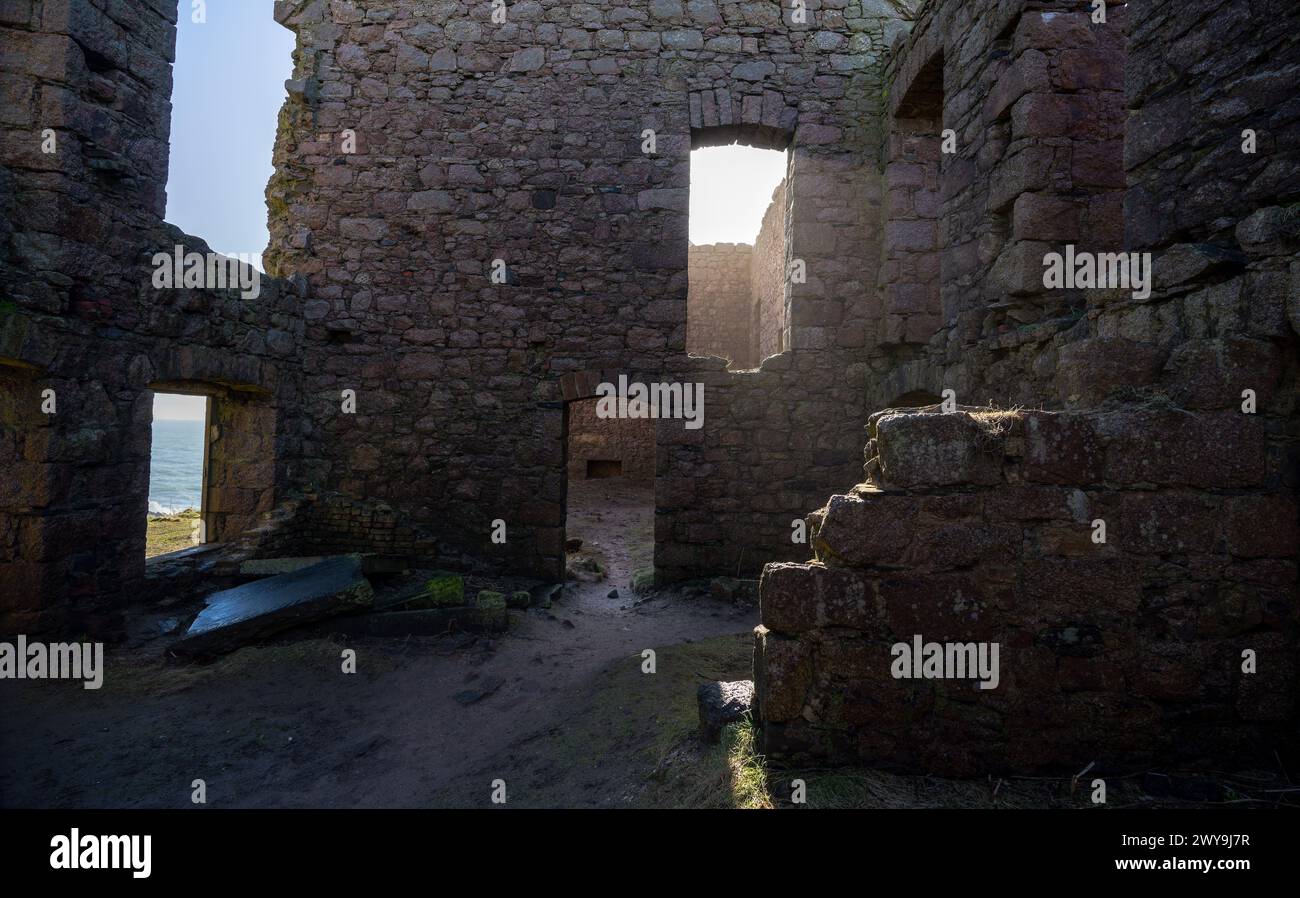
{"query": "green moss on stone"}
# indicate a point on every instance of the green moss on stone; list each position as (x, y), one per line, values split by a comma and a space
(444, 590)
(491, 609)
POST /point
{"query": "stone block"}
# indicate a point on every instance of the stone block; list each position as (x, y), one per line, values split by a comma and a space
(782, 675)
(867, 528)
(1063, 449)
(796, 598)
(1166, 447)
(933, 450)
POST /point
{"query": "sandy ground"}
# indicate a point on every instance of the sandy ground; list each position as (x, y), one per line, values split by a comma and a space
(281, 725)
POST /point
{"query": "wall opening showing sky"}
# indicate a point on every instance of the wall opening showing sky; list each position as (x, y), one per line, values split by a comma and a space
(731, 188)
(176, 454)
(228, 89)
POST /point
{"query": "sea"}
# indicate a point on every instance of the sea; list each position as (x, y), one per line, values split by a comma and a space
(176, 466)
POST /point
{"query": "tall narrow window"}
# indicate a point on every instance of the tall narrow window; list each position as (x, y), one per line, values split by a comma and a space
(735, 306)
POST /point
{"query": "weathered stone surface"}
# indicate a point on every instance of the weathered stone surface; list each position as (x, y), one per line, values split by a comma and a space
(920, 450)
(800, 597)
(783, 673)
(721, 704)
(866, 528)
(478, 141)
(245, 614)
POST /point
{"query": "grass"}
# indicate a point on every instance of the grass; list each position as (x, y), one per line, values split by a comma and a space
(171, 533)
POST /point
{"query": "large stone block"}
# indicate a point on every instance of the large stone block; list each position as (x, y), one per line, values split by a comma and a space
(867, 528)
(1097, 368)
(1062, 449)
(933, 450)
(795, 598)
(782, 674)
(1168, 447)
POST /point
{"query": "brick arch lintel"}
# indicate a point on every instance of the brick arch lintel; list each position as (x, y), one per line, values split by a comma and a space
(751, 115)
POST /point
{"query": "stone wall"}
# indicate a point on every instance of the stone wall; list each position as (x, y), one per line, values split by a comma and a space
(719, 305)
(1033, 95)
(91, 82)
(767, 276)
(980, 528)
(1180, 435)
(629, 441)
(521, 141)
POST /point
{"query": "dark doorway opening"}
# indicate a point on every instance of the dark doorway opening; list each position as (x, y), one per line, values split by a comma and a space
(609, 498)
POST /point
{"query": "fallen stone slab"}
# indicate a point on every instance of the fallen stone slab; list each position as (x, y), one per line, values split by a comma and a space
(721, 704)
(236, 617)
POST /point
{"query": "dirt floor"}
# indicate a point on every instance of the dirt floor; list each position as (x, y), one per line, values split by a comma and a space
(424, 722)
(559, 708)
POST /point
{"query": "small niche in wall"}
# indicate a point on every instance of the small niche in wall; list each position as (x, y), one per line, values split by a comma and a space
(603, 468)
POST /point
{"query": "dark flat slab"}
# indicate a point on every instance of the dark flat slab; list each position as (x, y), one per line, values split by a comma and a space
(236, 617)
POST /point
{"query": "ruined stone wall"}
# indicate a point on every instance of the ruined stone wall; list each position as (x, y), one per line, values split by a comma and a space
(767, 275)
(79, 315)
(522, 141)
(630, 441)
(719, 306)
(1033, 95)
(983, 526)
(979, 528)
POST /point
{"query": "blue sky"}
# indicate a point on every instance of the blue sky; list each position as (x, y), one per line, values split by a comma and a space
(228, 88)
